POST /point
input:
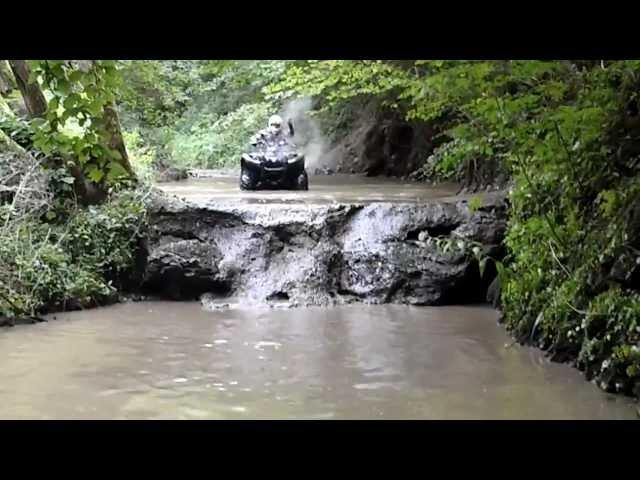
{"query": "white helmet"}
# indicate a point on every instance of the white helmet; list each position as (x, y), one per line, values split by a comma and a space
(275, 123)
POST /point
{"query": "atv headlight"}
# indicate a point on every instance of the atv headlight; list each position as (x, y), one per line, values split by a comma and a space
(294, 158)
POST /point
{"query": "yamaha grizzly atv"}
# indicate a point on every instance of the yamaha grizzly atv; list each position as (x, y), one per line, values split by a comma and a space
(274, 166)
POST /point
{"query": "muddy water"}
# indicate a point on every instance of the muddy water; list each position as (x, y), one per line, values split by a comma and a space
(322, 189)
(160, 360)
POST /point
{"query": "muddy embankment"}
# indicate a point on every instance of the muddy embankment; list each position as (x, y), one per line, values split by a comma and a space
(319, 254)
(379, 142)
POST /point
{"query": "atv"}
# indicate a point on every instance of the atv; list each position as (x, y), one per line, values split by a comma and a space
(274, 166)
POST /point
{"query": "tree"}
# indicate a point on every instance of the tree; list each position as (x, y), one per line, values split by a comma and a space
(31, 92)
(82, 98)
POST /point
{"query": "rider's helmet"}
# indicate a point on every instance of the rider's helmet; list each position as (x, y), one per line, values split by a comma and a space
(275, 124)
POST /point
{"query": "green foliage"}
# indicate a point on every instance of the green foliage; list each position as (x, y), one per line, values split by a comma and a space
(196, 113)
(217, 142)
(141, 156)
(568, 134)
(457, 245)
(338, 80)
(572, 228)
(104, 236)
(38, 272)
(16, 128)
(228, 85)
(156, 93)
(69, 264)
(75, 126)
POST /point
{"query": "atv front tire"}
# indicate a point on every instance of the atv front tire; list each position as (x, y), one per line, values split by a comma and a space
(302, 182)
(247, 180)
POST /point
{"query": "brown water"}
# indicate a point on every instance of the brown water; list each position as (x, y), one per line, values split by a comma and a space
(322, 189)
(160, 360)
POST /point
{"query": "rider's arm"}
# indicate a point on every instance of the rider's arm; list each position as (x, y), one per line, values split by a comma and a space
(257, 139)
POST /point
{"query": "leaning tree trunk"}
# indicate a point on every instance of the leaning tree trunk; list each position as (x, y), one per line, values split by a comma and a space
(116, 142)
(111, 122)
(7, 144)
(33, 97)
(93, 193)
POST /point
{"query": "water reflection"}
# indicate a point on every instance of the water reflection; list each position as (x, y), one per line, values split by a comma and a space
(174, 360)
(322, 190)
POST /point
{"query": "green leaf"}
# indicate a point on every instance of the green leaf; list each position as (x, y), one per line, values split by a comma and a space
(95, 107)
(63, 87)
(482, 264)
(75, 76)
(95, 175)
(71, 101)
(116, 170)
(114, 154)
(38, 122)
(53, 105)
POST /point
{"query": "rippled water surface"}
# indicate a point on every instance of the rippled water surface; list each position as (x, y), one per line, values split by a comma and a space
(323, 189)
(161, 360)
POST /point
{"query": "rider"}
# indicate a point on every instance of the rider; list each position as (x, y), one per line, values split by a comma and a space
(273, 133)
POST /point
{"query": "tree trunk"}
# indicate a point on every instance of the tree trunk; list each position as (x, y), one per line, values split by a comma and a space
(88, 192)
(33, 97)
(7, 82)
(111, 122)
(116, 142)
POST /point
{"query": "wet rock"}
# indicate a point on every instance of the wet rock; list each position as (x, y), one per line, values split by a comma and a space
(132, 297)
(172, 174)
(494, 292)
(324, 171)
(181, 268)
(13, 321)
(300, 254)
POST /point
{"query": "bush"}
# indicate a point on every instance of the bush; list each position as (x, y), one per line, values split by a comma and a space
(76, 263)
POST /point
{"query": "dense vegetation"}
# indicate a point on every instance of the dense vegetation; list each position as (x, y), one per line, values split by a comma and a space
(72, 213)
(196, 113)
(566, 133)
